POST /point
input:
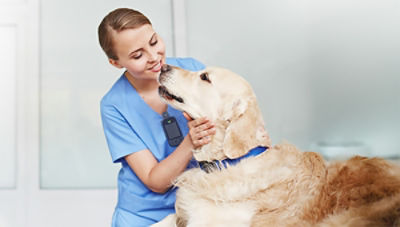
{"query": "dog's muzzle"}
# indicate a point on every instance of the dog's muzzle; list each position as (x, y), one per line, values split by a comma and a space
(163, 92)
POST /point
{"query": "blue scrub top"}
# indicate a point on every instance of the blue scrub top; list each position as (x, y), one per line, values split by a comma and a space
(130, 125)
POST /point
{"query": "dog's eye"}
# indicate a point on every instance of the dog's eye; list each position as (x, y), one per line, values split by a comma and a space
(204, 76)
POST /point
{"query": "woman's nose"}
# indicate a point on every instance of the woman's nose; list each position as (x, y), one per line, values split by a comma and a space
(153, 56)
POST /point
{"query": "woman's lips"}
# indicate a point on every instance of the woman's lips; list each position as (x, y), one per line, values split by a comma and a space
(157, 67)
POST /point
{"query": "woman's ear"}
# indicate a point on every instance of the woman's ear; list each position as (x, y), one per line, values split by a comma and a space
(114, 63)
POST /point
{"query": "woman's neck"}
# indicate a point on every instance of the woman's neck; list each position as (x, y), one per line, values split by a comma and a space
(148, 90)
(143, 85)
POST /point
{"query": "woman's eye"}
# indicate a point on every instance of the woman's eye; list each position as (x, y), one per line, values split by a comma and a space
(204, 76)
(154, 43)
(137, 56)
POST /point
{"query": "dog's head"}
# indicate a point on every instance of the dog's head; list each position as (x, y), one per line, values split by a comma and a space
(223, 97)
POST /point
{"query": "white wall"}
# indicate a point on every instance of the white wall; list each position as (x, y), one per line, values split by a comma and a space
(324, 72)
(55, 168)
(8, 99)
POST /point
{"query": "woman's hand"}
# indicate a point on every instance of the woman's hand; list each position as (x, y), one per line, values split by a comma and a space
(200, 130)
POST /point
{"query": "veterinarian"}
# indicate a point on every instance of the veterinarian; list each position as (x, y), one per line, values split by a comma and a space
(132, 114)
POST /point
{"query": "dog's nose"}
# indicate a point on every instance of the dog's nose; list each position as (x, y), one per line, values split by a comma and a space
(164, 73)
(165, 68)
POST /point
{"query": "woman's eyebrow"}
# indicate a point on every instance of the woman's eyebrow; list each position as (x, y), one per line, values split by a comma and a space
(130, 54)
(152, 36)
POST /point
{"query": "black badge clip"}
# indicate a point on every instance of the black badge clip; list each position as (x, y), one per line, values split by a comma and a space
(171, 130)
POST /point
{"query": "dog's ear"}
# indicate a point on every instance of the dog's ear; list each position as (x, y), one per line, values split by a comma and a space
(245, 129)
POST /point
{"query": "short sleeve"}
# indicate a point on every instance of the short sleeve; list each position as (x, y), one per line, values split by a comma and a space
(197, 65)
(122, 140)
(190, 64)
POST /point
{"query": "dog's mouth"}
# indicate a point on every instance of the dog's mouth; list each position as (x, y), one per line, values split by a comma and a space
(163, 91)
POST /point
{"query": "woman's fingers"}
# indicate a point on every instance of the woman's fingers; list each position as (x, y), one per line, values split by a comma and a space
(205, 133)
(202, 141)
(203, 127)
(201, 131)
(187, 116)
(197, 122)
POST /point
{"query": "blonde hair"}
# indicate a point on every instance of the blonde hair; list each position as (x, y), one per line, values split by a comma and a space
(118, 20)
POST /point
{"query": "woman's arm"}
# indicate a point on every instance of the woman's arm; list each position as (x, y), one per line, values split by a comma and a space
(158, 176)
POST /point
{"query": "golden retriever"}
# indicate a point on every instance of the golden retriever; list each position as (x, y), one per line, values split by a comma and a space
(282, 186)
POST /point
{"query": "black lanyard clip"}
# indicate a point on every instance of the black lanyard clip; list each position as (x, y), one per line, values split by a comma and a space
(171, 130)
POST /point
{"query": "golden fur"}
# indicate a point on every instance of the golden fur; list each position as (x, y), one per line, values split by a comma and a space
(218, 100)
(281, 187)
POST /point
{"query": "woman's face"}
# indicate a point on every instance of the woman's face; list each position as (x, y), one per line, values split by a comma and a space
(140, 51)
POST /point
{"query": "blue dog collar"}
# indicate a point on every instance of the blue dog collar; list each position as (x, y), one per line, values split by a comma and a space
(208, 166)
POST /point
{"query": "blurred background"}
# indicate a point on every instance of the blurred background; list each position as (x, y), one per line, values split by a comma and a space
(326, 75)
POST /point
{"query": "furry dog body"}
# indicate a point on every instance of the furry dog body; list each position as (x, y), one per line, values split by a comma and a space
(281, 187)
